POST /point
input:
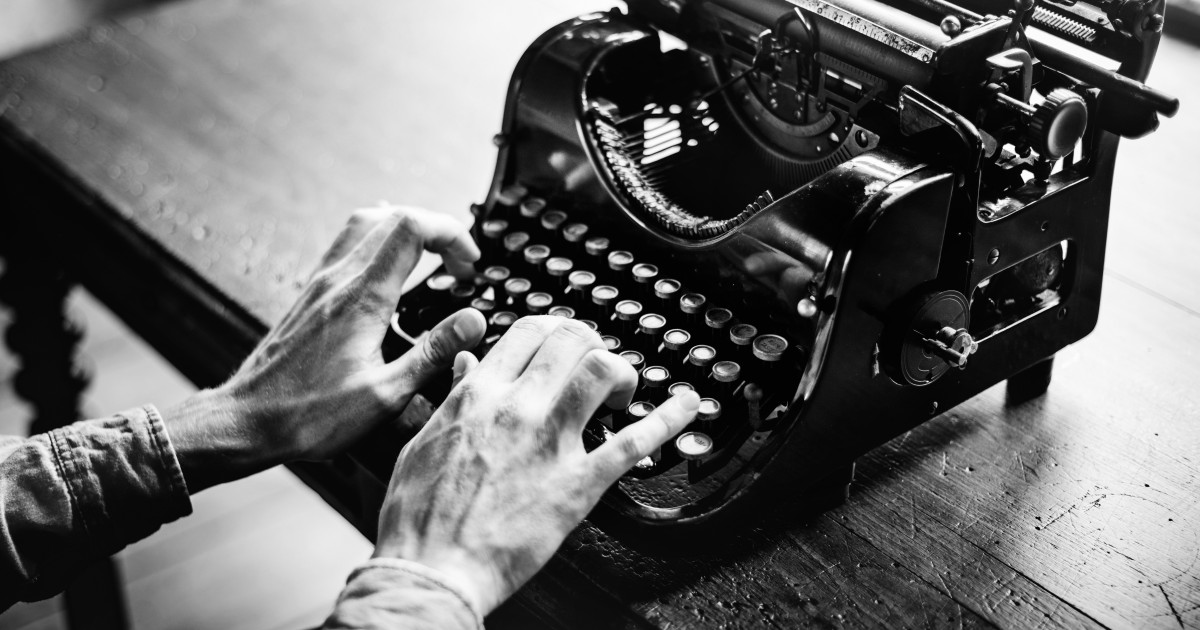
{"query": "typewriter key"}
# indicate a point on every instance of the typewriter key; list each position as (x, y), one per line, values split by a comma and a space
(628, 312)
(769, 348)
(667, 291)
(692, 304)
(562, 311)
(536, 255)
(558, 268)
(674, 341)
(717, 320)
(552, 220)
(726, 375)
(597, 247)
(678, 388)
(742, 335)
(512, 194)
(538, 302)
(634, 412)
(493, 235)
(650, 331)
(516, 289)
(483, 305)
(634, 358)
(612, 343)
(575, 232)
(699, 359)
(579, 287)
(619, 262)
(532, 208)
(461, 293)
(693, 445)
(654, 380)
(603, 297)
(514, 244)
(500, 322)
(495, 276)
(709, 414)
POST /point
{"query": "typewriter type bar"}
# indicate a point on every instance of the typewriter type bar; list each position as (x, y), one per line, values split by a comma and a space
(833, 219)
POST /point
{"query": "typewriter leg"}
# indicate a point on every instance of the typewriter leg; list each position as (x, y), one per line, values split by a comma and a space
(1030, 382)
(44, 338)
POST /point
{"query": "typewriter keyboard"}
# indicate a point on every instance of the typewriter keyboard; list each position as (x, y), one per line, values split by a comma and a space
(665, 321)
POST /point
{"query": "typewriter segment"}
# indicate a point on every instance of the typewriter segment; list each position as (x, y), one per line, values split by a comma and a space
(834, 219)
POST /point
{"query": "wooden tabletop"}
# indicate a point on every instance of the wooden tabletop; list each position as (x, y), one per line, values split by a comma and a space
(193, 163)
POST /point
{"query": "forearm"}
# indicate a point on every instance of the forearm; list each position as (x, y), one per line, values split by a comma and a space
(213, 446)
(82, 492)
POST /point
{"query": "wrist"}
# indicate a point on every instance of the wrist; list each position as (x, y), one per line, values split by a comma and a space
(214, 442)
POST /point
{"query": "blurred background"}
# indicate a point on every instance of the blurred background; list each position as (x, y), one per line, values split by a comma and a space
(264, 553)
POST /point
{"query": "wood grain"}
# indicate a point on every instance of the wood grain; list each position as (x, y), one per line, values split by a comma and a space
(239, 135)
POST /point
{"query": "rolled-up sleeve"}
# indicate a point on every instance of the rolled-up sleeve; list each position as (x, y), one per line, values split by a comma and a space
(392, 593)
(82, 492)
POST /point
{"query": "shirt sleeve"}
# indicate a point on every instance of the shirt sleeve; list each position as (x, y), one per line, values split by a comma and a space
(392, 593)
(82, 492)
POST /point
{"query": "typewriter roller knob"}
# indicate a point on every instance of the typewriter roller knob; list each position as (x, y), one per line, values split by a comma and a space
(1058, 124)
(935, 338)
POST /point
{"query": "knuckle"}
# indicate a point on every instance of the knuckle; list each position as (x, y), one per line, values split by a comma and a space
(596, 364)
(574, 330)
(631, 448)
(436, 349)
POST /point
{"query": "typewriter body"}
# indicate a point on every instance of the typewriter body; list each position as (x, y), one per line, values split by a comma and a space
(834, 219)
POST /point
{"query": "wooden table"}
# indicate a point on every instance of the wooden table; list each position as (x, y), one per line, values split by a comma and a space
(189, 165)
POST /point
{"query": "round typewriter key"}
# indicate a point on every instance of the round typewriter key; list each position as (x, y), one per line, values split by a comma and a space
(612, 343)
(692, 303)
(552, 219)
(676, 339)
(620, 260)
(462, 292)
(581, 280)
(441, 282)
(634, 358)
(559, 267)
(516, 288)
(628, 310)
(650, 331)
(532, 207)
(644, 273)
(693, 445)
(515, 242)
(574, 232)
(769, 347)
(562, 311)
(597, 246)
(655, 379)
(483, 305)
(634, 412)
(512, 194)
(726, 371)
(667, 288)
(494, 228)
(709, 411)
(743, 334)
(701, 355)
(536, 254)
(496, 275)
(678, 388)
(718, 318)
(538, 302)
(590, 324)
(603, 297)
(500, 321)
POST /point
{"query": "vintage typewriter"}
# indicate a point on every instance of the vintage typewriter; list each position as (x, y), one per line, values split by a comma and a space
(834, 219)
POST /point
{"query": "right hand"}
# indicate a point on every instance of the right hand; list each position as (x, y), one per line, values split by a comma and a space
(490, 488)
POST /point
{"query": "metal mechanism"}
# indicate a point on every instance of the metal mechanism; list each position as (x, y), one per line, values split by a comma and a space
(829, 217)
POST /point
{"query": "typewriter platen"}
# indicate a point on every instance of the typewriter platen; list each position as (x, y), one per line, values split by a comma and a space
(834, 219)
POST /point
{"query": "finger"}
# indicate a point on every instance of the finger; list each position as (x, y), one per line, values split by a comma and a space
(566, 346)
(512, 353)
(434, 352)
(600, 376)
(359, 224)
(464, 362)
(394, 248)
(638, 440)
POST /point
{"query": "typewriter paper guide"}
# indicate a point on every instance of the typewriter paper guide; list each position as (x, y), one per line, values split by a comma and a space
(832, 218)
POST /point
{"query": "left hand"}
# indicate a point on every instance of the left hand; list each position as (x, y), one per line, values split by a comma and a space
(317, 382)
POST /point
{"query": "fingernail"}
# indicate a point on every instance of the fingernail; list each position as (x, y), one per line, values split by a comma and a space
(689, 401)
(462, 328)
(460, 364)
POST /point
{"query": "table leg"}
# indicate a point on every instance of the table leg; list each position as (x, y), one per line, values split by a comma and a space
(44, 339)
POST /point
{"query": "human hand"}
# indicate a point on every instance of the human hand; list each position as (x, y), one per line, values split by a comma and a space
(493, 484)
(317, 381)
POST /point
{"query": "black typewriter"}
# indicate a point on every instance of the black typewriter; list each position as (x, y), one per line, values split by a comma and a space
(833, 219)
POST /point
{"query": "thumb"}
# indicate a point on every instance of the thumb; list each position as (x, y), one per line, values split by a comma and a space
(434, 351)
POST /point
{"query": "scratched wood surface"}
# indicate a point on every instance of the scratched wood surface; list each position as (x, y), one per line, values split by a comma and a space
(239, 135)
